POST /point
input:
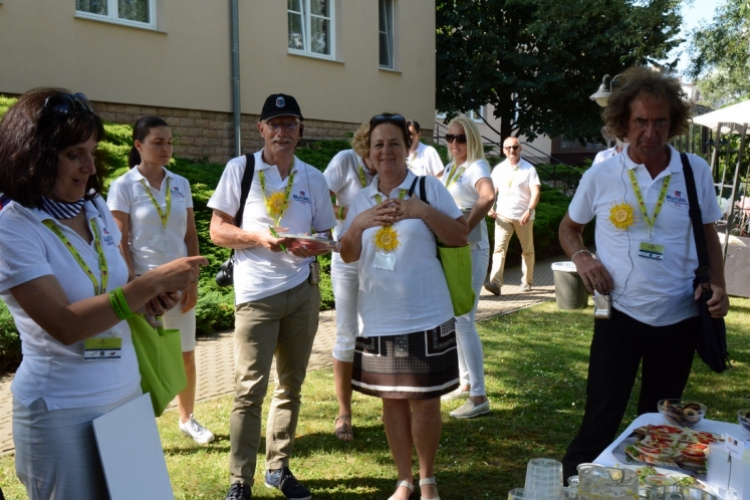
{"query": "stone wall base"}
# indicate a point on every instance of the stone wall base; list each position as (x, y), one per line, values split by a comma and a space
(209, 135)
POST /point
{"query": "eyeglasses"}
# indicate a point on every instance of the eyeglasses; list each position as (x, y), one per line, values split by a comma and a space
(387, 118)
(64, 105)
(642, 124)
(288, 127)
(459, 138)
(512, 148)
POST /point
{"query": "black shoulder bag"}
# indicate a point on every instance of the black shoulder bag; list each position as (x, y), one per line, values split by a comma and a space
(225, 276)
(711, 341)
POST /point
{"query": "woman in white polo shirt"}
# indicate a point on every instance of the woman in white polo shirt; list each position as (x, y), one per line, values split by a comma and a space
(468, 179)
(66, 284)
(406, 351)
(348, 173)
(153, 208)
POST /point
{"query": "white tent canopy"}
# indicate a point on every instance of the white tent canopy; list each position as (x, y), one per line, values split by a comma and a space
(736, 113)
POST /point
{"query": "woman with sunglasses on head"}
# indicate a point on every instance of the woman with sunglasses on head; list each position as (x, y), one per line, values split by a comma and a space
(153, 208)
(405, 353)
(469, 181)
(348, 173)
(66, 284)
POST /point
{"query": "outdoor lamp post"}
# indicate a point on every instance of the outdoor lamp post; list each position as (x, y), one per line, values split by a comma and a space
(601, 95)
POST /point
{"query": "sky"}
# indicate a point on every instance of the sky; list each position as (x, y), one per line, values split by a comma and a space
(692, 16)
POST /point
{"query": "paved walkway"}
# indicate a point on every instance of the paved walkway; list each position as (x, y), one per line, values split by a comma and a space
(215, 353)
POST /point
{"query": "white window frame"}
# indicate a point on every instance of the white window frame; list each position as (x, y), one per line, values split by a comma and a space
(390, 8)
(112, 16)
(306, 29)
(476, 115)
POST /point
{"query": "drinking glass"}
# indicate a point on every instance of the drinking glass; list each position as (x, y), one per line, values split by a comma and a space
(544, 476)
(523, 494)
(602, 482)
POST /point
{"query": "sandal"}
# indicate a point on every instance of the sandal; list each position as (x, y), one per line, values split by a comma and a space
(427, 481)
(345, 432)
(406, 484)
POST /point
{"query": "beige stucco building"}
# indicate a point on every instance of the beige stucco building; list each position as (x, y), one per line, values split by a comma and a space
(344, 61)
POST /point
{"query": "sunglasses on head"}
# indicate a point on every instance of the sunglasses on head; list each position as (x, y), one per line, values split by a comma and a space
(459, 138)
(512, 148)
(64, 105)
(386, 118)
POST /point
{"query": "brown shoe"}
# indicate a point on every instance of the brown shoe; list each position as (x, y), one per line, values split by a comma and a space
(492, 288)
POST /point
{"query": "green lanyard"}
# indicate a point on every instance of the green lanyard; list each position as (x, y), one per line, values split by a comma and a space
(455, 174)
(103, 268)
(164, 216)
(276, 207)
(401, 194)
(362, 178)
(650, 221)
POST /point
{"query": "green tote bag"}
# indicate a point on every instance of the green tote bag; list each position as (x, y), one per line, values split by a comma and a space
(159, 353)
(456, 262)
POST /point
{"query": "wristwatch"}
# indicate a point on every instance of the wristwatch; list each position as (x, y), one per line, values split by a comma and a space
(531, 211)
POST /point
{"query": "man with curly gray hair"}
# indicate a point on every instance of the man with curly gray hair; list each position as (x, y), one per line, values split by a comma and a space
(645, 258)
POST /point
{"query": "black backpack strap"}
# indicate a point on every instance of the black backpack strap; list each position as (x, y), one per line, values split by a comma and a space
(247, 180)
(422, 190)
(697, 219)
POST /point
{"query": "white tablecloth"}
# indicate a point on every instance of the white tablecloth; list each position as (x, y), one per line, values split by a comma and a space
(607, 459)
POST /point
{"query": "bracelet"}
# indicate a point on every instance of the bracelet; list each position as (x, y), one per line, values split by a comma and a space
(581, 251)
(120, 304)
(341, 213)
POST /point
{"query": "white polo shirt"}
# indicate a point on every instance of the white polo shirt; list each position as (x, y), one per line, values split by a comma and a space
(464, 191)
(49, 370)
(343, 177)
(513, 185)
(259, 272)
(414, 295)
(425, 160)
(655, 292)
(604, 155)
(128, 195)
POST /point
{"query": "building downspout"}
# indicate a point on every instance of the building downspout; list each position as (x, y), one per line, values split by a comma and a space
(236, 108)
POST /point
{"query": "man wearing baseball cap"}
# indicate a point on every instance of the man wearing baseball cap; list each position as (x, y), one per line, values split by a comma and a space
(276, 292)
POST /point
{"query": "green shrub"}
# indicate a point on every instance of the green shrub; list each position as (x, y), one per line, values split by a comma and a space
(10, 342)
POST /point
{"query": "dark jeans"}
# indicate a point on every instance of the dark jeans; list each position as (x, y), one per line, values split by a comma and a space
(618, 346)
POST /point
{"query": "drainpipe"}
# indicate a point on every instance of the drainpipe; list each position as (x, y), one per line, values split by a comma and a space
(236, 109)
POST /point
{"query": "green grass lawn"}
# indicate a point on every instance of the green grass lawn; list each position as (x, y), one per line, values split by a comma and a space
(536, 362)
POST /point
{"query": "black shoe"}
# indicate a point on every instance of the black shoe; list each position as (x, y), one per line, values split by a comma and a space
(239, 491)
(284, 481)
(491, 287)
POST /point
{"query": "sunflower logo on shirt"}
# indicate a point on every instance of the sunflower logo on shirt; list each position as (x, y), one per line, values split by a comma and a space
(622, 215)
(386, 239)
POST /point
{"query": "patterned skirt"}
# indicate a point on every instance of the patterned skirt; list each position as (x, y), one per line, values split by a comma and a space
(419, 365)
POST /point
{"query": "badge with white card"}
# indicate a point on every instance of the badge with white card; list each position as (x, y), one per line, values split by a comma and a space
(651, 251)
(385, 260)
(102, 348)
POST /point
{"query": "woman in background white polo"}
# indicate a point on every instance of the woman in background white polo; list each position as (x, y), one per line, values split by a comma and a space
(468, 180)
(348, 173)
(153, 208)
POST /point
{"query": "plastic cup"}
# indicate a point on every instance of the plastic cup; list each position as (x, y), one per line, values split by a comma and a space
(544, 477)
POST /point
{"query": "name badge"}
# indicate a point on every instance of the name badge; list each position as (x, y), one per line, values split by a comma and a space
(102, 348)
(385, 260)
(651, 251)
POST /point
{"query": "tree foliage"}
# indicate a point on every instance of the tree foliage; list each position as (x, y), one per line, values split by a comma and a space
(720, 53)
(537, 61)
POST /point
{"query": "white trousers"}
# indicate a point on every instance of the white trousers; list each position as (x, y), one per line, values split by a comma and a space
(175, 319)
(470, 355)
(345, 281)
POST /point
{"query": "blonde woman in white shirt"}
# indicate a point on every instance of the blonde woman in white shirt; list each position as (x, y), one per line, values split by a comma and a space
(468, 179)
(348, 173)
(153, 208)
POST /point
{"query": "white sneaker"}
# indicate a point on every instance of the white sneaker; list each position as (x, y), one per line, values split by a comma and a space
(200, 434)
(525, 287)
(459, 393)
(470, 410)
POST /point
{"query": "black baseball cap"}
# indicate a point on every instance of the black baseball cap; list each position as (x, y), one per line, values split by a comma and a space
(280, 105)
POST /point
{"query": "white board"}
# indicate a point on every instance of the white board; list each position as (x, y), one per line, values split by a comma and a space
(131, 452)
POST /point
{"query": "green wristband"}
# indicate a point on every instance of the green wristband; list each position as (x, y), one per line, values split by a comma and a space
(341, 213)
(120, 304)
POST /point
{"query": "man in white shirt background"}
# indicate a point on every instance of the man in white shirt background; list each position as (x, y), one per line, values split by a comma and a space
(517, 189)
(423, 159)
